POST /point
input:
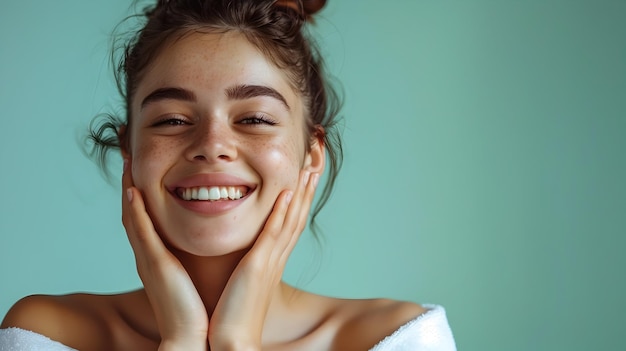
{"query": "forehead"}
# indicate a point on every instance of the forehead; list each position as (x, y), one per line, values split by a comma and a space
(210, 61)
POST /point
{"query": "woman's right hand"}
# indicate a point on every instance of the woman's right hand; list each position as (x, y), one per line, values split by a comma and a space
(179, 311)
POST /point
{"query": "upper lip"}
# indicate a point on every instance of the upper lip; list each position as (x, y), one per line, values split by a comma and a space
(209, 180)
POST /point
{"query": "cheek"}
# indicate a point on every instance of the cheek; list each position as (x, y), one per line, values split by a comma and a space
(148, 160)
(282, 162)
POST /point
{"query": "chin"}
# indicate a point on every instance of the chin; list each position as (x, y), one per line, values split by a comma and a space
(211, 240)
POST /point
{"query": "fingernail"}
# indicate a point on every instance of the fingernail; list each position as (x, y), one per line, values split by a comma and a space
(306, 177)
(125, 164)
(288, 197)
(129, 194)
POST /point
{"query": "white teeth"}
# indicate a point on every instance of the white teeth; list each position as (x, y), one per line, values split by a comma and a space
(212, 193)
(204, 194)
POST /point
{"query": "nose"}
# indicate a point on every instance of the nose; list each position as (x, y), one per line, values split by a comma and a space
(213, 141)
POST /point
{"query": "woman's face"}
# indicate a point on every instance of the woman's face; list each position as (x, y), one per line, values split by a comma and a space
(217, 133)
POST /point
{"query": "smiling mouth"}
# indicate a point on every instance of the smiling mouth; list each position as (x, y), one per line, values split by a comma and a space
(212, 193)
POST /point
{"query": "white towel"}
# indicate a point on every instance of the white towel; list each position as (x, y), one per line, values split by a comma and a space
(428, 332)
(16, 339)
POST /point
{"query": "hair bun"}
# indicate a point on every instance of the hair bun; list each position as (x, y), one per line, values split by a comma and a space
(305, 8)
(311, 7)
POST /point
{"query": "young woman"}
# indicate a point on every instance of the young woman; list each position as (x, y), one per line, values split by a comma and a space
(229, 123)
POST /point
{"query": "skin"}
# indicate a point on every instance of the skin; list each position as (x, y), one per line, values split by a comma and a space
(212, 279)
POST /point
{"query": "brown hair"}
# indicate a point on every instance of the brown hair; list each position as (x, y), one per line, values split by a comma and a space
(276, 27)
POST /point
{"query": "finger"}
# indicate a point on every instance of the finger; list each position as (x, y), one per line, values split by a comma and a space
(306, 201)
(298, 212)
(127, 183)
(276, 221)
(144, 240)
(286, 222)
(144, 237)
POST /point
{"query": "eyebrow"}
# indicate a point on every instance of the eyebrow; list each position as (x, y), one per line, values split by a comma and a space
(237, 92)
(168, 93)
(243, 91)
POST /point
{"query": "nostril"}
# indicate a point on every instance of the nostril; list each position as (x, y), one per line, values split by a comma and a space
(199, 157)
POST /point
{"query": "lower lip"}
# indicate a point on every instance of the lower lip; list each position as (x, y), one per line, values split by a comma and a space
(209, 208)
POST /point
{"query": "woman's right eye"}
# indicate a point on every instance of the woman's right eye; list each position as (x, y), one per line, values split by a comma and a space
(170, 121)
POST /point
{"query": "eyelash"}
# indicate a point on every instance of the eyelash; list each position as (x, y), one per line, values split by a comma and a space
(252, 120)
(258, 119)
(170, 121)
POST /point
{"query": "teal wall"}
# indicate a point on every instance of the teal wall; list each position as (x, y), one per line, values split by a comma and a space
(485, 163)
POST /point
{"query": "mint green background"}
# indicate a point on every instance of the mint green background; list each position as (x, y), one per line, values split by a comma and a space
(485, 163)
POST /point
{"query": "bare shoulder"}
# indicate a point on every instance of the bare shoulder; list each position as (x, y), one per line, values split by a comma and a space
(81, 321)
(69, 319)
(368, 322)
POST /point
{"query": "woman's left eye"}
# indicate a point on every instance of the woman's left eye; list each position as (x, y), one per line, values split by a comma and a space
(260, 119)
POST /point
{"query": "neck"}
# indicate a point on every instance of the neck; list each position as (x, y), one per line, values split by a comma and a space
(210, 274)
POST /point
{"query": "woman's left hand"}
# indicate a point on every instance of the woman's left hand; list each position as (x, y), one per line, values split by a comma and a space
(237, 322)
